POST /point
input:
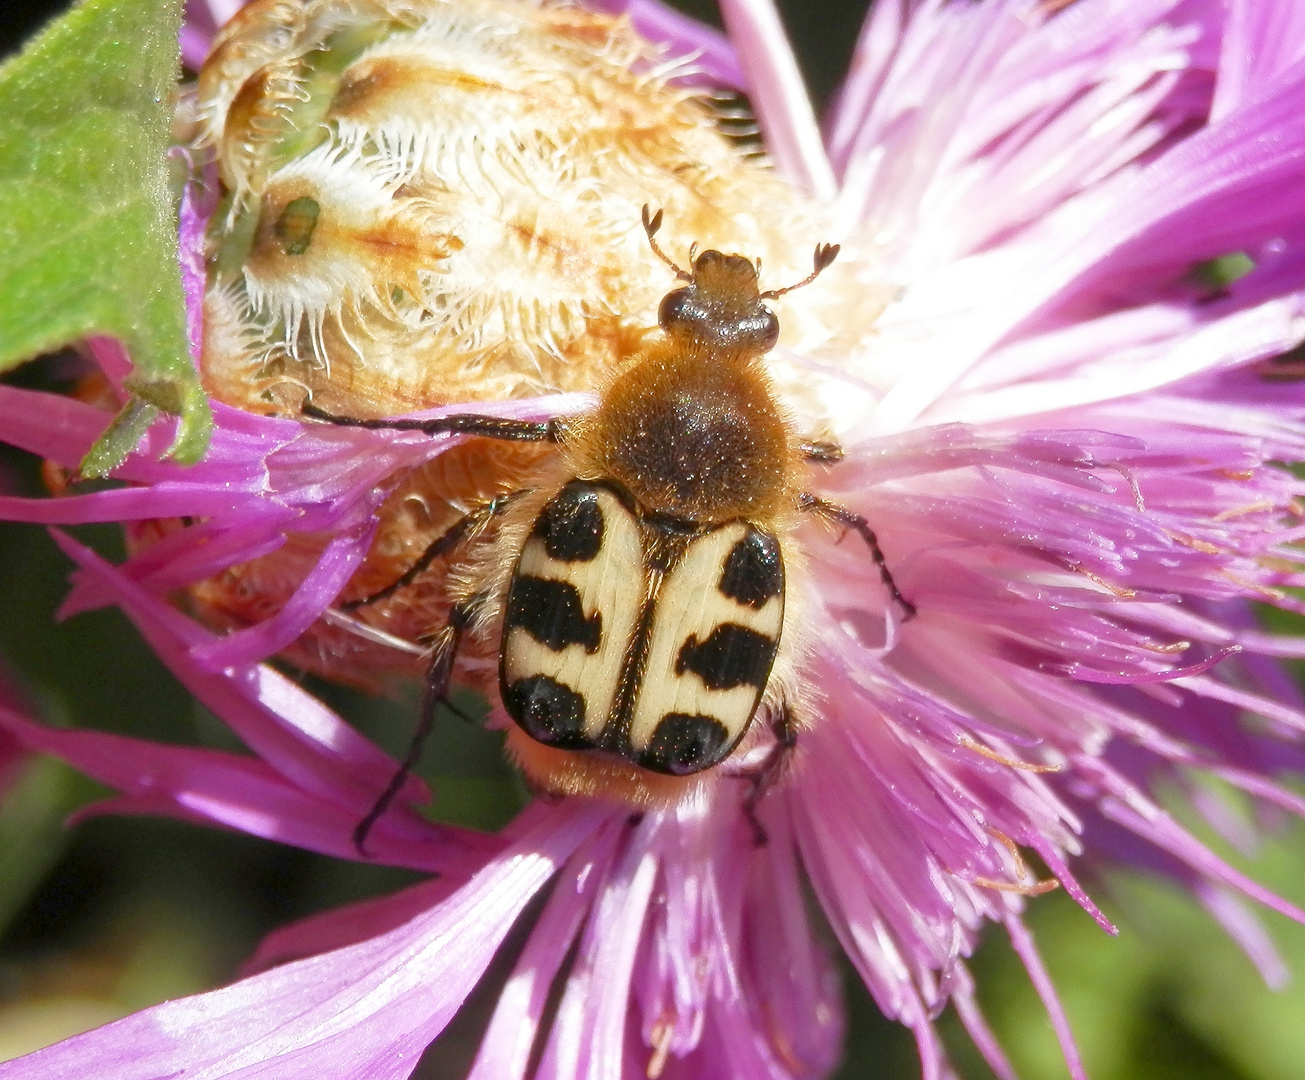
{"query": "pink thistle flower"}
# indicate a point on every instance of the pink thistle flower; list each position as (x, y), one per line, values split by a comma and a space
(1065, 427)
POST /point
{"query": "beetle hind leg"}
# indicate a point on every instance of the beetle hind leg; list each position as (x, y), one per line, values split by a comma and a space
(764, 776)
(444, 652)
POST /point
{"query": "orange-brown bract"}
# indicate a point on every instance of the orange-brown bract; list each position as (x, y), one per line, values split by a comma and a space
(638, 586)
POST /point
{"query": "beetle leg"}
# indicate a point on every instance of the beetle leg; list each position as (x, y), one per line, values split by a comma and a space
(767, 773)
(489, 427)
(467, 525)
(820, 452)
(849, 519)
(444, 652)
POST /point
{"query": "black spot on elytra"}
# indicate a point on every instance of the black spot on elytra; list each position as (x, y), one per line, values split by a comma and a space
(571, 524)
(754, 571)
(732, 656)
(685, 744)
(548, 712)
(550, 612)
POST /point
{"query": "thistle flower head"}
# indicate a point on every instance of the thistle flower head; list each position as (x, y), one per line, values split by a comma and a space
(1056, 350)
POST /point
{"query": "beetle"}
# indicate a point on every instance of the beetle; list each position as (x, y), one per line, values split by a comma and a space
(638, 589)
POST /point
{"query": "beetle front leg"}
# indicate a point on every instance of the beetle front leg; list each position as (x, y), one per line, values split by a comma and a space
(487, 427)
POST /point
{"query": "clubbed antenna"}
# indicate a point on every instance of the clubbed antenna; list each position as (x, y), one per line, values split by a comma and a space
(825, 254)
(650, 225)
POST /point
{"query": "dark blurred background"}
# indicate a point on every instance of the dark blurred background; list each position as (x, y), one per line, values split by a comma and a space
(117, 914)
(19, 19)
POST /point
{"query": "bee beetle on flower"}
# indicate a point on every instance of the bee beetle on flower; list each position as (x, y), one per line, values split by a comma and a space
(351, 272)
(641, 608)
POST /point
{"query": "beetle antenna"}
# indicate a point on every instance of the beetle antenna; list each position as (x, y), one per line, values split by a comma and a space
(825, 254)
(650, 226)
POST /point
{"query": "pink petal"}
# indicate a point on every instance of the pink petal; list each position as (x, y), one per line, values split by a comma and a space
(365, 1011)
(289, 728)
(194, 277)
(123, 504)
(1262, 39)
(1245, 928)
(509, 1040)
(190, 555)
(588, 1037)
(213, 787)
(349, 924)
(1127, 806)
(1022, 942)
(320, 586)
(967, 1008)
(195, 45)
(779, 95)
(716, 57)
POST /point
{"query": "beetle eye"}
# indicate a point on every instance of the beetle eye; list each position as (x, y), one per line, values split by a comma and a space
(672, 308)
(767, 330)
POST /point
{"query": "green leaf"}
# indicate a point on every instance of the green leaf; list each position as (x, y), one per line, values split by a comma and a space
(119, 439)
(88, 225)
